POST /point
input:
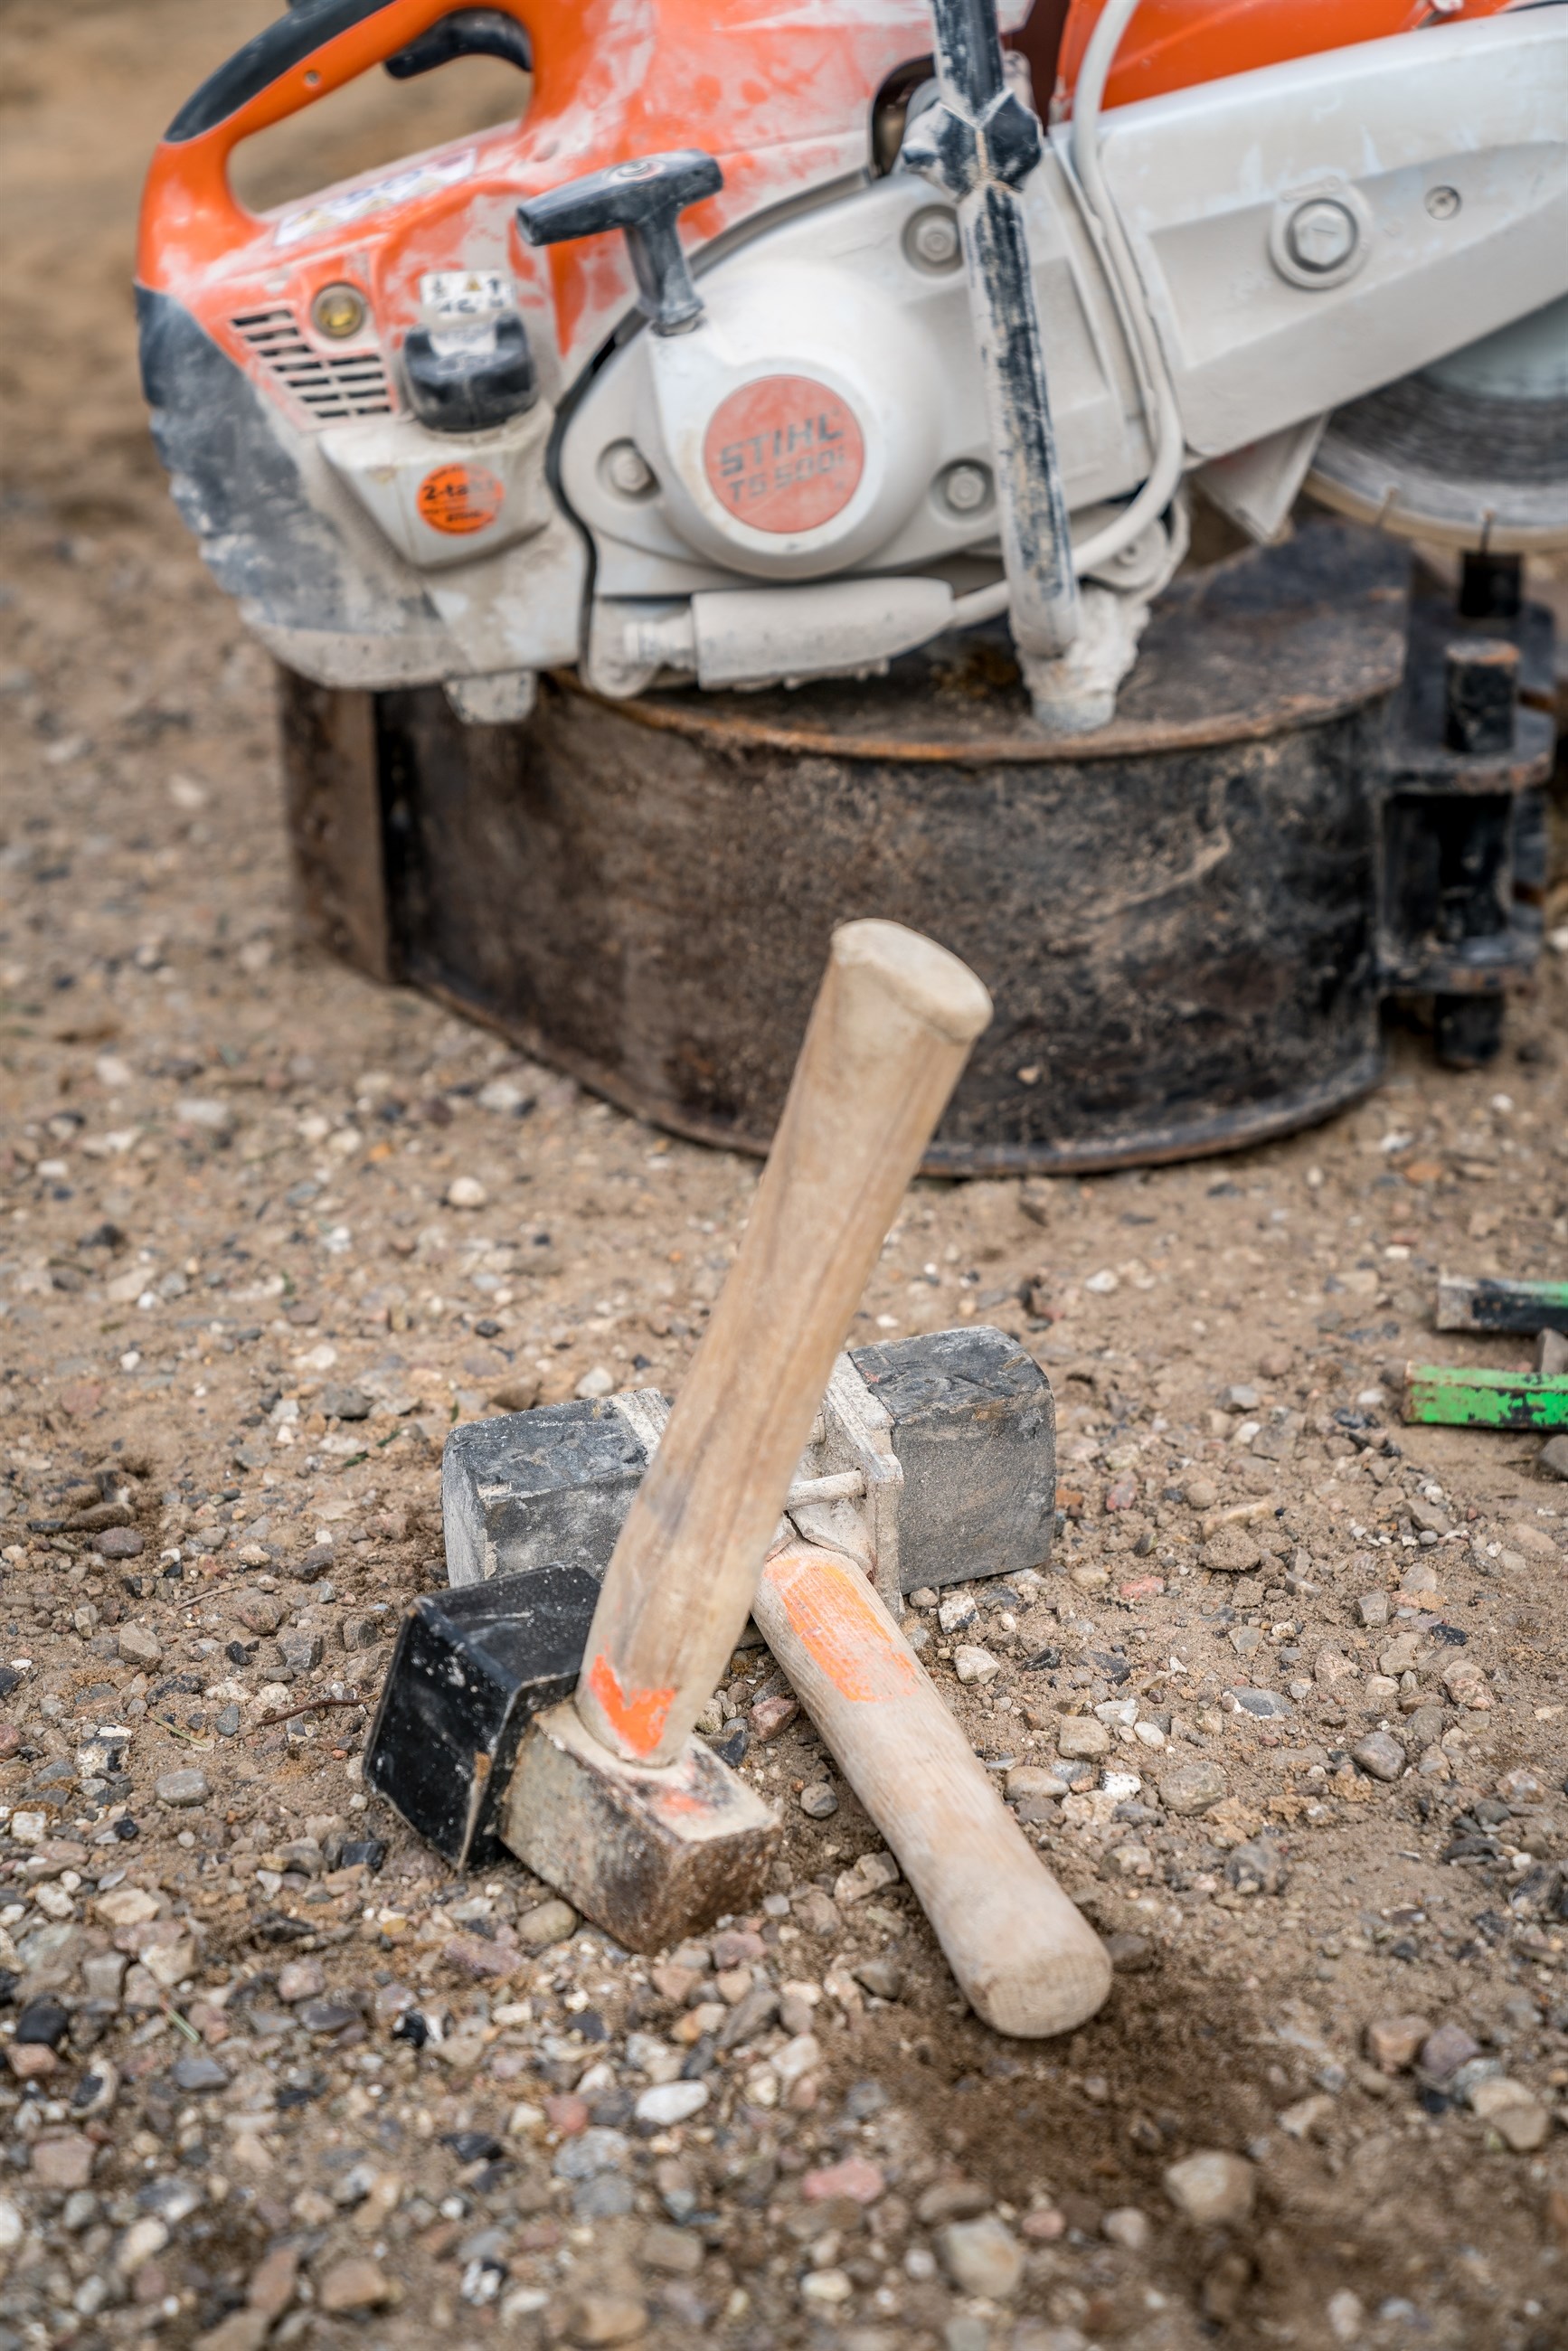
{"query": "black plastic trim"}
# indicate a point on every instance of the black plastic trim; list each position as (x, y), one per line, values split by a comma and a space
(466, 33)
(265, 59)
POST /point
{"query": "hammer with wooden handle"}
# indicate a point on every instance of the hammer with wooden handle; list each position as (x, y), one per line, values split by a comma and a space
(891, 1029)
(611, 1799)
(1024, 1954)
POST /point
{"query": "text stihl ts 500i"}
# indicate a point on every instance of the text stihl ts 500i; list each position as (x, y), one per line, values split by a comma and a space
(752, 490)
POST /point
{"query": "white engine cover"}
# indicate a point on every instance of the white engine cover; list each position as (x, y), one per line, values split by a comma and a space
(821, 418)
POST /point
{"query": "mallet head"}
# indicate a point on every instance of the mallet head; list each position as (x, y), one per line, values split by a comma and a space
(474, 1745)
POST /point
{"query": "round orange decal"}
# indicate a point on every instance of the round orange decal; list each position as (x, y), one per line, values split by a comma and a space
(784, 454)
(460, 498)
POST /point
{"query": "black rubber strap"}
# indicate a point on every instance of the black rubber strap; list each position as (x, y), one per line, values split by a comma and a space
(261, 62)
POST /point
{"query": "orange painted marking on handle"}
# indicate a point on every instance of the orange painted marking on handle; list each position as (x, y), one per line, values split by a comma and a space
(830, 1609)
(637, 1718)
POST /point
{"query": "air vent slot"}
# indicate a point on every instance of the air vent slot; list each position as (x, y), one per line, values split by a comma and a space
(346, 383)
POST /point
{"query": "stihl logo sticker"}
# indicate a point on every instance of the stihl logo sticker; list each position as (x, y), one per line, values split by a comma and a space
(784, 454)
(460, 498)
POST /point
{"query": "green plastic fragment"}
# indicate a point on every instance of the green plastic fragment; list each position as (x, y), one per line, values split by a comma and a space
(1456, 1396)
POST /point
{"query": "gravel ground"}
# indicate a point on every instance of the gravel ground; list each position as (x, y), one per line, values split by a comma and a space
(1285, 1711)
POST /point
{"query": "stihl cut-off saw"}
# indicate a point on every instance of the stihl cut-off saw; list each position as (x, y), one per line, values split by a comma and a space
(767, 345)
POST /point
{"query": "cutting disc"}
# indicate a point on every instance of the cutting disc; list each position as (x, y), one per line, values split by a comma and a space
(1472, 452)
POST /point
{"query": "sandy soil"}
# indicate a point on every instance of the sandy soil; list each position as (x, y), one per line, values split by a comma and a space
(226, 1168)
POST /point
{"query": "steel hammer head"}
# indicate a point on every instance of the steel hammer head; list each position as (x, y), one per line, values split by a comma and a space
(951, 1434)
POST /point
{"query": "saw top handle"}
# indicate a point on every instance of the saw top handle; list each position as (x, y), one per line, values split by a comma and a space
(304, 57)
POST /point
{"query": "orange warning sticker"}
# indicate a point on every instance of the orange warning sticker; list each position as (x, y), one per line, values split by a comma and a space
(784, 454)
(458, 499)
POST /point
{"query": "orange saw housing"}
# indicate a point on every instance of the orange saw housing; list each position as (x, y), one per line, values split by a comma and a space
(784, 104)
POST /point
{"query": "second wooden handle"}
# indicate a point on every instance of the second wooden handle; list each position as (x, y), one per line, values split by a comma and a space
(891, 1029)
(1025, 1956)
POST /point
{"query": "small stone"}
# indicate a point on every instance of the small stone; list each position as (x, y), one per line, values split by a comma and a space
(769, 1715)
(1332, 1670)
(1256, 1868)
(97, 2091)
(228, 1722)
(817, 1801)
(61, 2159)
(1515, 2113)
(590, 2152)
(127, 1905)
(1306, 2117)
(45, 2020)
(1393, 2042)
(141, 2243)
(546, 1923)
(242, 2330)
(955, 1611)
(343, 1402)
(1029, 1783)
(883, 1979)
(595, 1383)
(195, 2074)
(300, 1979)
(1188, 1789)
(672, 2252)
(1266, 1705)
(353, 2284)
(952, 2199)
(606, 2318)
(1080, 1735)
(119, 1543)
(181, 1790)
(1444, 2051)
(1200, 1494)
(139, 1645)
(301, 1649)
(314, 1564)
(1553, 1456)
(1213, 2190)
(29, 2061)
(1381, 1755)
(972, 1664)
(861, 2181)
(259, 1612)
(671, 2102)
(473, 1955)
(1373, 1609)
(1130, 1955)
(1232, 1551)
(981, 2257)
(465, 1192)
(13, 2228)
(1128, 2228)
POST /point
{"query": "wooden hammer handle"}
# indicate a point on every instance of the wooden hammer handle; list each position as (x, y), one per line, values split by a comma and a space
(890, 1029)
(1024, 1954)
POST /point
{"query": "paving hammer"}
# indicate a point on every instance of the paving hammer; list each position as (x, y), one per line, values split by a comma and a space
(609, 1797)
